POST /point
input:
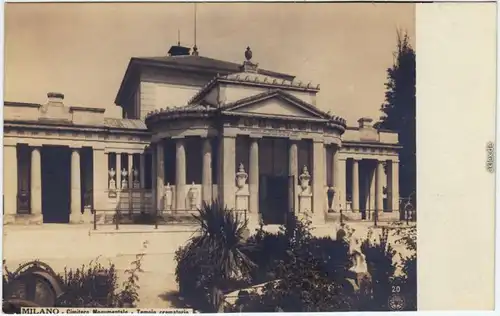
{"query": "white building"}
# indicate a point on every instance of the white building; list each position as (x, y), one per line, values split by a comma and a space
(196, 129)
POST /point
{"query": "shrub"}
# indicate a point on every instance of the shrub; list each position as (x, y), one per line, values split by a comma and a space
(89, 286)
(408, 282)
(379, 258)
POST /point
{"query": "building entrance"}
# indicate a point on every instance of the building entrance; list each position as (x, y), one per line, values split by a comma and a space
(274, 180)
(274, 200)
(56, 184)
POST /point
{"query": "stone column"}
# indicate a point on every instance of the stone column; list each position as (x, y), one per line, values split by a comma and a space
(206, 176)
(228, 172)
(118, 171)
(36, 182)
(318, 182)
(341, 183)
(393, 184)
(335, 176)
(379, 194)
(10, 186)
(154, 195)
(355, 185)
(160, 176)
(142, 170)
(130, 160)
(253, 179)
(293, 159)
(180, 175)
(76, 197)
(371, 179)
(100, 178)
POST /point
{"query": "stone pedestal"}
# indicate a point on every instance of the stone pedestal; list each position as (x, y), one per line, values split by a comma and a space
(242, 199)
(87, 216)
(305, 204)
(76, 218)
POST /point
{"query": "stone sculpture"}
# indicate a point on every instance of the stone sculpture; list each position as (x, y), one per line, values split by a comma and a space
(193, 196)
(124, 179)
(241, 177)
(112, 182)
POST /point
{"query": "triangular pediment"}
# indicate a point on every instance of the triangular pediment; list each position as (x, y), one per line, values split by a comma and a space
(277, 103)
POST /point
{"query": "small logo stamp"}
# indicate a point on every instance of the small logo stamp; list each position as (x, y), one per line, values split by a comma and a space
(490, 157)
(396, 302)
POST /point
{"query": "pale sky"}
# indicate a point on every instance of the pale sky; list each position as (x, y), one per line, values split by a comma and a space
(82, 49)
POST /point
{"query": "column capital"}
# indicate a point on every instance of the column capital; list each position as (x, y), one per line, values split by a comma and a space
(255, 137)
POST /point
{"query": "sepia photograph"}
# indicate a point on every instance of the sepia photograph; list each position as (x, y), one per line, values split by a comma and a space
(210, 157)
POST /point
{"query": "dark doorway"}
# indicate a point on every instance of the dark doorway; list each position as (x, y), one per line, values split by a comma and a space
(274, 199)
(56, 184)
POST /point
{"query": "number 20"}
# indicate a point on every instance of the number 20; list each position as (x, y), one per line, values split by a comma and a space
(396, 289)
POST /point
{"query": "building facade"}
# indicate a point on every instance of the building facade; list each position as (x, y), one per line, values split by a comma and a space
(194, 130)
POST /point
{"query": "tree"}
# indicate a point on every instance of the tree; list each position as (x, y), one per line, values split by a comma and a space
(399, 111)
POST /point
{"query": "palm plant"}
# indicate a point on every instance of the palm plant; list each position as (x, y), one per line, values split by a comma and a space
(222, 233)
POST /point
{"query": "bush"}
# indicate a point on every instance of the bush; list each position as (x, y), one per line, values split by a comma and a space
(379, 258)
(89, 286)
(309, 273)
(408, 283)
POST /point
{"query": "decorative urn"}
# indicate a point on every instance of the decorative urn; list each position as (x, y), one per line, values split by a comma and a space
(112, 183)
(331, 197)
(248, 53)
(304, 179)
(168, 197)
(193, 196)
(124, 178)
(136, 183)
(241, 177)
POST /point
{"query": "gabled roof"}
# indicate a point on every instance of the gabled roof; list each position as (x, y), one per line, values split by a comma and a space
(188, 62)
(283, 95)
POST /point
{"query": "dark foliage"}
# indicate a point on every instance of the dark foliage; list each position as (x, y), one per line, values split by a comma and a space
(379, 258)
(211, 262)
(310, 274)
(399, 111)
(89, 286)
(408, 283)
